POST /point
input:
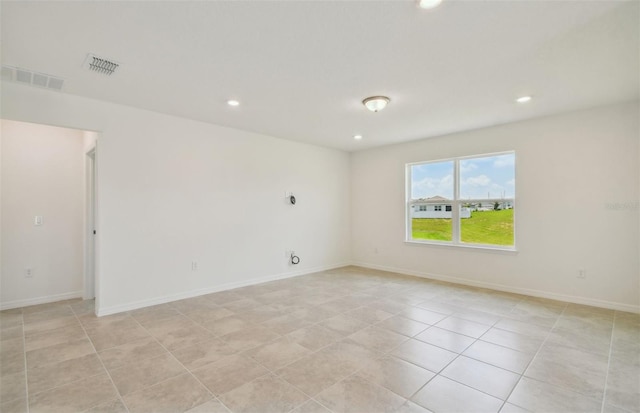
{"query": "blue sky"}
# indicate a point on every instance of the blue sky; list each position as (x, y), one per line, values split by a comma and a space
(480, 178)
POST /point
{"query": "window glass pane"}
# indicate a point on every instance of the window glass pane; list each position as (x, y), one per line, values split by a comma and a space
(486, 223)
(491, 177)
(431, 188)
(430, 180)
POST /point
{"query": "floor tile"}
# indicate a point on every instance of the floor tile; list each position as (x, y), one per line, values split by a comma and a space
(285, 324)
(11, 333)
(499, 356)
(226, 325)
(403, 325)
(424, 355)
(13, 386)
(144, 373)
(378, 339)
(368, 314)
(52, 375)
(264, 394)
(343, 324)
(512, 408)
(446, 339)
(570, 368)
(355, 394)
(314, 373)
(112, 406)
(465, 327)
(229, 373)
(397, 375)
(249, 338)
(47, 325)
(311, 407)
(74, 397)
(481, 376)
(537, 396)
(116, 334)
(14, 406)
(130, 352)
(305, 333)
(177, 394)
(527, 329)
(623, 386)
(54, 336)
(148, 315)
(278, 353)
(203, 353)
(184, 336)
(423, 316)
(515, 341)
(59, 352)
(212, 406)
(444, 395)
(314, 337)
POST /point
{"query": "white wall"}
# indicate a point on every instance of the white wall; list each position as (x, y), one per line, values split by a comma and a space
(42, 174)
(172, 191)
(578, 182)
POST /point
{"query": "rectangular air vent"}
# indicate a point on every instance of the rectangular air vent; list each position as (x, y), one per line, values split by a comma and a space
(16, 74)
(101, 65)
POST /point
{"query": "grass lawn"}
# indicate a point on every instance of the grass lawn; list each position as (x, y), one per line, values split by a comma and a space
(484, 227)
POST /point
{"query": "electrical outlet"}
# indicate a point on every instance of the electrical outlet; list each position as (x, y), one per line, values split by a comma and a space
(28, 272)
(582, 274)
(194, 265)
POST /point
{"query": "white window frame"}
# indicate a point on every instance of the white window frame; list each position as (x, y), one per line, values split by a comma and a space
(456, 204)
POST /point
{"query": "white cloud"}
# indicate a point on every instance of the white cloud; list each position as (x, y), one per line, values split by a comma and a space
(467, 166)
(428, 187)
(476, 181)
(511, 182)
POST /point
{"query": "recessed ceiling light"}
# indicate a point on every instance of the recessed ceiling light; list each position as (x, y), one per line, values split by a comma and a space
(523, 99)
(376, 103)
(357, 137)
(428, 4)
(233, 103)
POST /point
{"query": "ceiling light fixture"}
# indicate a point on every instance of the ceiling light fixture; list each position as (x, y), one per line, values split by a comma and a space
(376, 103)
(357, 137)
(523, 99)
(233, 103)
(428, 4)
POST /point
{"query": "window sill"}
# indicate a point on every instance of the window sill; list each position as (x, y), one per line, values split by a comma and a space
(484, 248)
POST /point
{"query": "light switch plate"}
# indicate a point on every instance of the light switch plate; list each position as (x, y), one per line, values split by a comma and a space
(37, 220)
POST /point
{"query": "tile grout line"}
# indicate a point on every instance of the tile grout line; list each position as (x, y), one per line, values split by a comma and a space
(606, 377)
(439, 373)
(566, 305)
(179, 362)
(101, 363)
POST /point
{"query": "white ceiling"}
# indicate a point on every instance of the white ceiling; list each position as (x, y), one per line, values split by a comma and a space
(301, 69)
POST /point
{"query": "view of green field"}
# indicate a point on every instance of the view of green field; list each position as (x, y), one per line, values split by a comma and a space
(484, 227)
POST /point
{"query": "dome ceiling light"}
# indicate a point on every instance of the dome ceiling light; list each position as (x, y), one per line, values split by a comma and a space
(376, 103)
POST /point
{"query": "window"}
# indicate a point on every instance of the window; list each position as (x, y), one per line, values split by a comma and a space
(480, 196)
(422, 208)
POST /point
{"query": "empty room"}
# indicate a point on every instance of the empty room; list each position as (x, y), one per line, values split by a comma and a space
(338, 206)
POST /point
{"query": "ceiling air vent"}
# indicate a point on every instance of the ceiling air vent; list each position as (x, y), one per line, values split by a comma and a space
(16, 74)
(101, 65)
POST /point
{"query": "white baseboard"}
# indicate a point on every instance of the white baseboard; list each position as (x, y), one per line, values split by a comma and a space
(509, 289)
(39, 300)
(102, 311)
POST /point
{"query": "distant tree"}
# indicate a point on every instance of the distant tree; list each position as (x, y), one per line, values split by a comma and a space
(496, 206)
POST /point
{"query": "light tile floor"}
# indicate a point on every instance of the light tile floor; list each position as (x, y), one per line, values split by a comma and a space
(346, 340)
